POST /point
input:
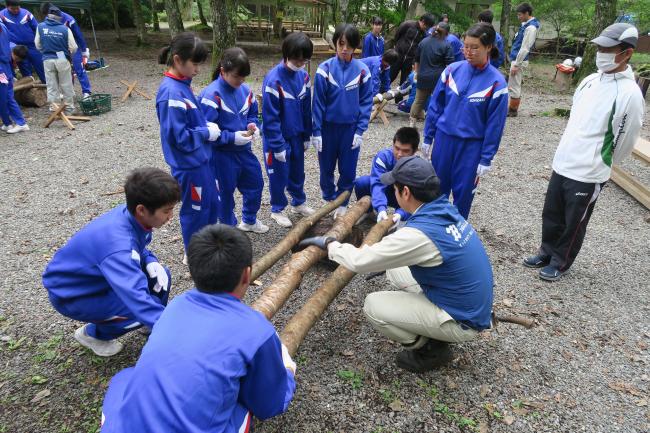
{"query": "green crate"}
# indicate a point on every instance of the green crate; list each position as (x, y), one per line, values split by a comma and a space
(96, 104)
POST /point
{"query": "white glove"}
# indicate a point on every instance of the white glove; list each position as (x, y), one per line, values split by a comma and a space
(383, 215)
(286, 359)
(86, 53)
(426, 149)
(317, 142)
(156, 270)
(357, 141)
(306, 144)
(482, 170)
(241, 139)
(281, 156)
(392, 93)
(214, 131)
(379, 96)
(397, 217)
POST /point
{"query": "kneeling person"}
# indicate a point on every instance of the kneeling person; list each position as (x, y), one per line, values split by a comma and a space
(211, 363)
(438, 264)
(105, 276)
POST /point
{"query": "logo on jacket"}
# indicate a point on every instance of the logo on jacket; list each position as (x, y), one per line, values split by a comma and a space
(453, 230)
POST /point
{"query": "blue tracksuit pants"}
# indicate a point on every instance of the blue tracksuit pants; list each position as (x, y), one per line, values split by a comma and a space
(80, 71)
(240, 170)
(362, 188)
(199, 199)
(34, 60)
(455, 161)
(337, 148)
(289, 176)
(109, 318)
(9, 109)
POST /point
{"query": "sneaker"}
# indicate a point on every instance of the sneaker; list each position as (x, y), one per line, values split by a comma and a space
(185, 259)
(550, 273)
(303, 210)
(339, 212)
(434, 354)
(537, 261)
(281, 219)
(18, 128)
(5, 128)
(258, 227)
(86, 95)
(100, 347)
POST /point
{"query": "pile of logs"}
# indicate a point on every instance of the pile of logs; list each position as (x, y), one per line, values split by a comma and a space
(30, 93)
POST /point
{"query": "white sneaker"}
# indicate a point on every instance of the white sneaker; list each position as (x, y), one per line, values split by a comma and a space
(86, 95)
(258, 227)
(281, 219)
(303, 210)
(5, 128)
(185, 259)
(100, 347)
(339, 212)
(18, 128)
(412, 122)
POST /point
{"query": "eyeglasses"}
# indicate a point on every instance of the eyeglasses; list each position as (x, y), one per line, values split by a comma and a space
(471, 50)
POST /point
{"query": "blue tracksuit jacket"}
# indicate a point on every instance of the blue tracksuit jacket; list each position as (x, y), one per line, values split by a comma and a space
(372, 45)
(22, 31)
(502, 55)
(9, 109)
(77, 58)
(210, 364)
(457, 46)
(380, 77)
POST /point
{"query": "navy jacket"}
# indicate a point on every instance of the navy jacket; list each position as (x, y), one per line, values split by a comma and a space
(432, 56)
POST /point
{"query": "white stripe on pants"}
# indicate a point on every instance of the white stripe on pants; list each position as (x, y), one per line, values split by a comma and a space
(58, 74)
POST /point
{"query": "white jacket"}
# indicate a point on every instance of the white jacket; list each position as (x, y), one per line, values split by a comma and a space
(604, 125)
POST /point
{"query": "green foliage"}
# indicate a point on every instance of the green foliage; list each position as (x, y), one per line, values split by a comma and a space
(354, 378)
(640, 9)
(459, 21)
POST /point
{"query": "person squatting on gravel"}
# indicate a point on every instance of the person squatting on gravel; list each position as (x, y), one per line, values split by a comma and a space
(187, 137)
(438, 264)
(211, 362)
(379, 67)
(22, 31)
(231, 104)
(286, 127)
(467, 115)
(604, 125)
(523, 42)
(105, 275)
(373, 42)
(405, 144)
(9, 108)
(56, 43)
(341, 110)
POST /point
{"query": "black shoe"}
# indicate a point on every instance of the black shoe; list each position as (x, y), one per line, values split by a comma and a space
(550, 273)
(432, 355)
(512, 113)
(537, 261)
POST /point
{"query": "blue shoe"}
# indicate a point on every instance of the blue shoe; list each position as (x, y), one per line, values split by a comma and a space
(550, 273)
(537, 261)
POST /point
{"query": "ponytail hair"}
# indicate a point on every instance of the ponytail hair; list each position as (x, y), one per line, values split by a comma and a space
(233, 60)
(187, 46)
(486, 34)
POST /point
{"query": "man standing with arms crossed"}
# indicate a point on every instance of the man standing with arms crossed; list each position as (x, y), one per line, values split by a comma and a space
(523, 42)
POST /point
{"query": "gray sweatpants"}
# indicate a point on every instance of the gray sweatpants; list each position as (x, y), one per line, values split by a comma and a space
(58, 74)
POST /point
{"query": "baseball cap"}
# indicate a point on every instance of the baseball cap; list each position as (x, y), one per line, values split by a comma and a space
(411, 171)
(617, 33)
(53, 10)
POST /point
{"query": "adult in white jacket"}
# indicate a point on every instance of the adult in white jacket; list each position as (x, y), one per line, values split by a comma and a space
(604, 125)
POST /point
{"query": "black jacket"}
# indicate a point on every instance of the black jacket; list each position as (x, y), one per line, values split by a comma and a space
(432, 56)
(407, 38)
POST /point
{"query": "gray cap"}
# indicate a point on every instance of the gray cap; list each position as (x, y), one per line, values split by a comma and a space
(411, 171)
(617, 33)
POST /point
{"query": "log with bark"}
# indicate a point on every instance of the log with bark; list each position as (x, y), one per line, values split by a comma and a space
(276, 294)
(30, 93)
(391, 94)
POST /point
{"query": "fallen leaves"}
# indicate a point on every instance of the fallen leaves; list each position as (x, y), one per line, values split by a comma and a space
(625, 387)
(396, 406)
(41, 395)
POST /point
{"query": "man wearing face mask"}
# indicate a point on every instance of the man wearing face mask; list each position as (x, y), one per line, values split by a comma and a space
(604, 125)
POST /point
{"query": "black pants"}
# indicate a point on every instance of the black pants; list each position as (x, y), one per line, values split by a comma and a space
(403, 66)
(567, 210)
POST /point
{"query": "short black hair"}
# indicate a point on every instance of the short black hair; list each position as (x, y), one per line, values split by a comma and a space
(377, 21)
(486, 34)
(408, 135)
(486, 16)
(21, 51)
(428, 19)
(235, 60)
(151, 187)
(45, 8)
(350, 32)
(187, 46)
(297, 46)
(524, 8)
(421, 194)
(217, 256)
(624, 46)
(12, 2)
(390, 56)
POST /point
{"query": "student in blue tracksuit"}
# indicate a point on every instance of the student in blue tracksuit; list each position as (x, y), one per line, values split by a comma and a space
(231, 104)
(341, 111)
(373, 42)
(22, 31)
(286, 127)
(81, 56)
(211, 363)
(405, 143)
(406, 104)
(466, 115)
(487, 16)
(105, 275)
(379, 67)
(186, 136)
(9, 109)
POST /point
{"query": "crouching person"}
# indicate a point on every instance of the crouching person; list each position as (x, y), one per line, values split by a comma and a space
(436, 262)
(211, 363)
(105, 276)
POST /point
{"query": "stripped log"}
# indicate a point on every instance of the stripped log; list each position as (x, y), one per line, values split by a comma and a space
(299, 325)
(517, 320)
(631, 185)
(290, 276)
(29, 86)
(391, 94)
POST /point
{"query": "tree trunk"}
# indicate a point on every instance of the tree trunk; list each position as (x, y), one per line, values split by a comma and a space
(410, 12)
(504, 26)
(116, 23)
(154, 15)
(604, 16)
(139, 22)
(224, 29)
(199, 5)
(174, 18)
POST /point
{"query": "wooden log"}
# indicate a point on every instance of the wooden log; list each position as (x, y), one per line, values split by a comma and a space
(518, 320)
(632, 186)
(290, 276)
(294, 236)
(26, 86)
(391, 94)
(31, 97)
(641, 150)
(299, 325)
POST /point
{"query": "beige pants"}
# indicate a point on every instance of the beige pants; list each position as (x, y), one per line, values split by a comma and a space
(515, 80)
(418, 108)
(58, 74)
(405, 314)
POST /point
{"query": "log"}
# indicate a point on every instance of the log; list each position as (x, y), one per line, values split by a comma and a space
(290, 276)
(299, 325)
(518, 320)
(391, 94)
(294, 236)
(631, 185)
(32, 97)
(26, 86)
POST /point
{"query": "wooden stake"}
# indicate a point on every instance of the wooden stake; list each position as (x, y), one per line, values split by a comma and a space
(60, 115)
(133, 87)
(632, 186)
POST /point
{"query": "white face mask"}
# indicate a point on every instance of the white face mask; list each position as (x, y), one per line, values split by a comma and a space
(294, 67)
(605, 61)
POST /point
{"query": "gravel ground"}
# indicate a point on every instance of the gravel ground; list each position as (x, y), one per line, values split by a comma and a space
(583, 368)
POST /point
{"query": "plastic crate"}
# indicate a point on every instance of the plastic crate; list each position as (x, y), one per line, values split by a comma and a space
(96, 104)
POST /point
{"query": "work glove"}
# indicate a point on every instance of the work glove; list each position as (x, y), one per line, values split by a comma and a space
(482, 170)
(317, 142)
(289, 364)
(242, 138)
(379, 97)
(391, 93)
(306, 144)
(320, 241)
(280, 156)
(156, 270)
(86, 53)
(426, 149)
(214, 131)
(383, 215)
(357, 141)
